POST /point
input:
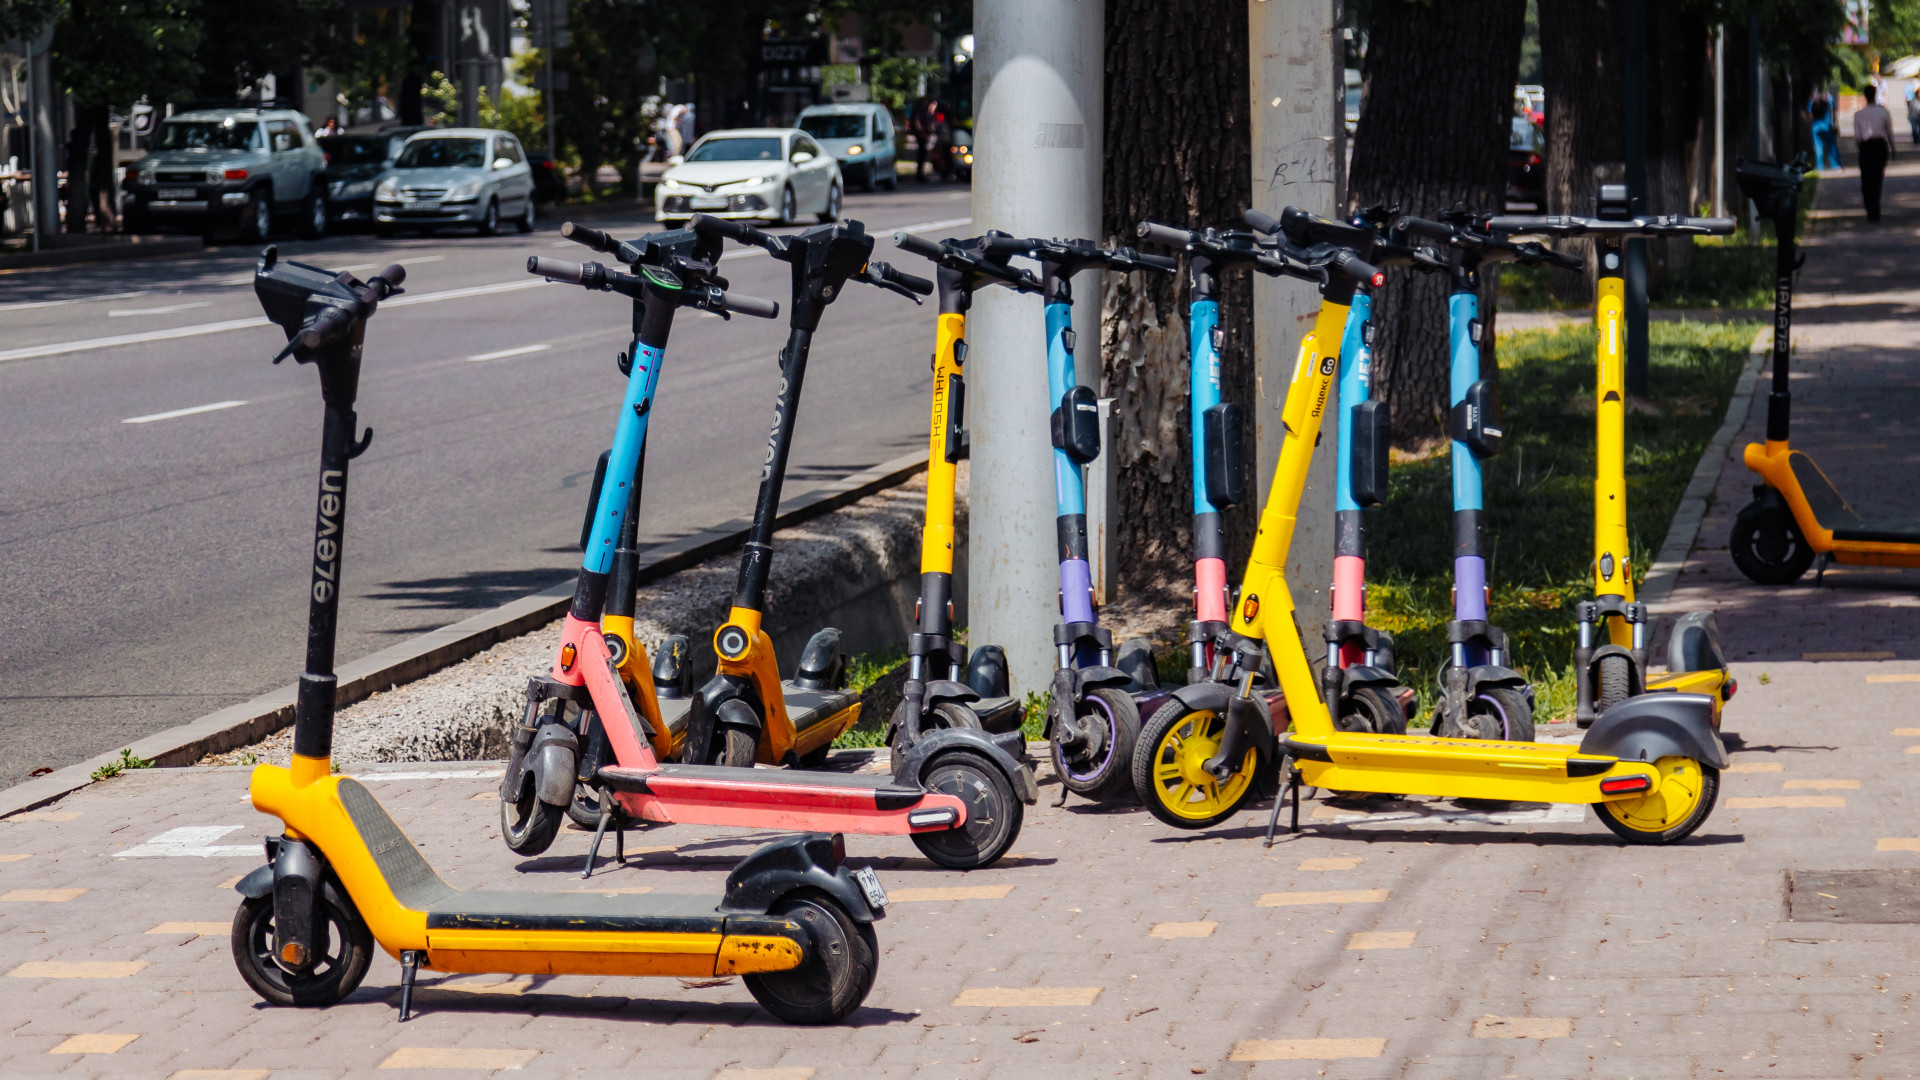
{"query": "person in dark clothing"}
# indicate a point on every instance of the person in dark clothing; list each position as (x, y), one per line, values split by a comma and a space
(928, 125)
(1873, 137)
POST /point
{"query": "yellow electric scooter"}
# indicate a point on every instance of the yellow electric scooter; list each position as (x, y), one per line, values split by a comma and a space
(793, 921)
(1610, 672)
(1651, 766)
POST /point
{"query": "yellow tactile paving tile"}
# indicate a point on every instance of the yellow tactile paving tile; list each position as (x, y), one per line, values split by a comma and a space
(1868, 655)
(41, 896)
(1907, 731)
(231, 882)
(16, 858)
(1017, 997)
(1335, 896)
(1893, 678)
(1381, 939)
(1523, 1027)
(85, 969)
(1898, 843)
(457, 1057)
(1328, 864)
(949, 892)
(104, 1042)
(213, 929)
(1755, 767)
(1306, 1049)
(1182, 929)
(47, 815)
(1821, 785)
(1787, 802)
(791, 1072)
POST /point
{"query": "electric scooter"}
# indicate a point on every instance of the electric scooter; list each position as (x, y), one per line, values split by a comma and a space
(1092, 720)
(793, 920)
(944, 688)
(1651, 765)
(957, 793)
(1480, 696)
(1611, 672)
(1796, 514)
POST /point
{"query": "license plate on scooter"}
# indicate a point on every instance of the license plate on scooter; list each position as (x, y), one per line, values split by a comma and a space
(870, 884)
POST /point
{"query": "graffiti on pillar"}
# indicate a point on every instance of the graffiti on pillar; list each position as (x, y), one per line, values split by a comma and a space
(1303, 161)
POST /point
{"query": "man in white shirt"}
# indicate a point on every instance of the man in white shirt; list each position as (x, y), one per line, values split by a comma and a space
(1873, 137)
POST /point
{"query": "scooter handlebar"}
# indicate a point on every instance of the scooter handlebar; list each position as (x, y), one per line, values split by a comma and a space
(1264, 224)
(740, 232)
(1419, 226)
(742, 304)
(918, 245)
(388, 281)
(572, 273)
(907, 285)
(1353, 266)
(1165, 235)
(326, 328)
(591, 237)
(1568, 225)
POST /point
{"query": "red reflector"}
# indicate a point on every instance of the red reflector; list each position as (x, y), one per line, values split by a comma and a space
(133, 174)
(1732, 688)
(236, 174)
(839, 848)
(1379, 279)
(1622, 785)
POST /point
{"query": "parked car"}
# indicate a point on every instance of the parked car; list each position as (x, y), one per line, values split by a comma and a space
(960, 151)
(773, 174)
(860, 137)
(456, 176)
(355, 163)
(1526, 174)
(213, 169)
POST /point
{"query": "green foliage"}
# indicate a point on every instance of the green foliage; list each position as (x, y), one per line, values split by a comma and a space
(116, 53)
(121, 764)
(896, 80)
(25, 19)
(1893, 27)
(439, 100)
(1539, 499)
(517, 113)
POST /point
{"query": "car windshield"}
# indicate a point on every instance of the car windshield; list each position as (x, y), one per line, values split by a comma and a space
(1523, 134)
(736, 150)
(205, 135)
(443, 154)
(835, 125)
(355, 149)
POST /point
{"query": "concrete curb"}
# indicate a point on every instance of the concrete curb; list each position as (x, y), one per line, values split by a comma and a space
(250, 721)
(1665, 571)
(111, 251)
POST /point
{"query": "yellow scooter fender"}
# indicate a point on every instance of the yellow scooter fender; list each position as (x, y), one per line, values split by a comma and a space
(1652, 726)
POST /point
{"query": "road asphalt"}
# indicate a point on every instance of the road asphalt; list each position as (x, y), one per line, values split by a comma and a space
(151, 555)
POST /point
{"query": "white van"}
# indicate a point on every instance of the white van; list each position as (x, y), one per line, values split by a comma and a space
(860, 136)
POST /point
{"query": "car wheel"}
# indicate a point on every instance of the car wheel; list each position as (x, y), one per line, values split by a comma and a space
(892, 176)
(259, 217)
(383, 230)
(313, 223)
(788, 210)
(490, 224)
(525, 224)
(832, 212)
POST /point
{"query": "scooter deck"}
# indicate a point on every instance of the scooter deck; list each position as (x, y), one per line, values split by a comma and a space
(998, 714)
(1458, 768)
(777, 799)
(807, 707)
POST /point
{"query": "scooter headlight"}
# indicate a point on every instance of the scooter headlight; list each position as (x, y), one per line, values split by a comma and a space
(731, 642)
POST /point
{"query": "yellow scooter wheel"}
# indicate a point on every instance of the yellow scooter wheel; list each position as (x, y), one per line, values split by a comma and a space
(1169, 768)
(1673, 811)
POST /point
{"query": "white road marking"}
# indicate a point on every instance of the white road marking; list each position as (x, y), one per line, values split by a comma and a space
(448, 774)
(73, 300)
(167, 309)
(504, 353)
(195, 841)
(150, 418)
(59, 348)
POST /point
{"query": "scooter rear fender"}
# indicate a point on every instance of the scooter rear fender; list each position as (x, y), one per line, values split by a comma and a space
(1217, 697)
(1360, 675)
(947, 690)
(912, 766)
(789, 864)
(1097, 677)
(703, 713)
(1652, 726)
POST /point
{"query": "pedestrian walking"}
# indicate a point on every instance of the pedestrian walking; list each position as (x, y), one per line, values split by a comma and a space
(1873, 138)
(927, 124)
(331, 127)
(685, 121)
(1913, 112)
(1826, 139)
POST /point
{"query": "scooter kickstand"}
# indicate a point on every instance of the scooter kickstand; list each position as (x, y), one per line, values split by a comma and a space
(599, 834)
(409, 967)
(1293, 788)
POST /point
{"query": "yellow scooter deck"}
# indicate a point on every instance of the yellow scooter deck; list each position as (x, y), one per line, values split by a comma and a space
(1460, 768)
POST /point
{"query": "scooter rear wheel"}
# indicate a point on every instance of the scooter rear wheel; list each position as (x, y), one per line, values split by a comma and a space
(1168, 772)
(1099, 768)
(836, 975)
(346, 949)
(1371, 709)
(1682, 803)
(994, 814)
(946, 715)
(1769, 548)
(527, 824)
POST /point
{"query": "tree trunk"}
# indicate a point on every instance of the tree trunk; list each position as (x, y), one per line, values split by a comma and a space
(88, 122)
(106, 215)
(1177, 151)
(1581, 60)
(1435, 121)
(1676, 55)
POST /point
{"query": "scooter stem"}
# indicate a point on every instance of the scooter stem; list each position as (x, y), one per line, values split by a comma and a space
(751, 590)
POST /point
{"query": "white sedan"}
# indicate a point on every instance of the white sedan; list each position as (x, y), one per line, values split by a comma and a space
(772, 174)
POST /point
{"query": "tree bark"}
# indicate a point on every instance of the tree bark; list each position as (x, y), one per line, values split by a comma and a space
(1581, 60)
(1435, 121)
(1178, 152)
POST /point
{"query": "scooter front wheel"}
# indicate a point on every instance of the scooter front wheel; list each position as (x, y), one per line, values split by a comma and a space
(527, 824)
(994, 815)
(837, 974)
(1769, 548)
(346, 948)
(1169, 769)
(1097, 768)
(1682, 803)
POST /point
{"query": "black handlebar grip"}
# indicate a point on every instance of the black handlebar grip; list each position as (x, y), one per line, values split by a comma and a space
(1527, 223)
(386, 282)
(1007, 245)
(904, 280)
(591, 237)
(916, 245)
(1715, 226)
(557, 269)
(1162, 263)
(1563, 259)
(742, 304)
(1353, 266)
(1265, 224)
(1165, 235)
(325, 328)
(1419, 226)
(733, 230)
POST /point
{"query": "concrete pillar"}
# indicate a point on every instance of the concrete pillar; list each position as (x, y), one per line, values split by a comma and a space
(1299, 159)
(1038, 81)
(45, 142)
